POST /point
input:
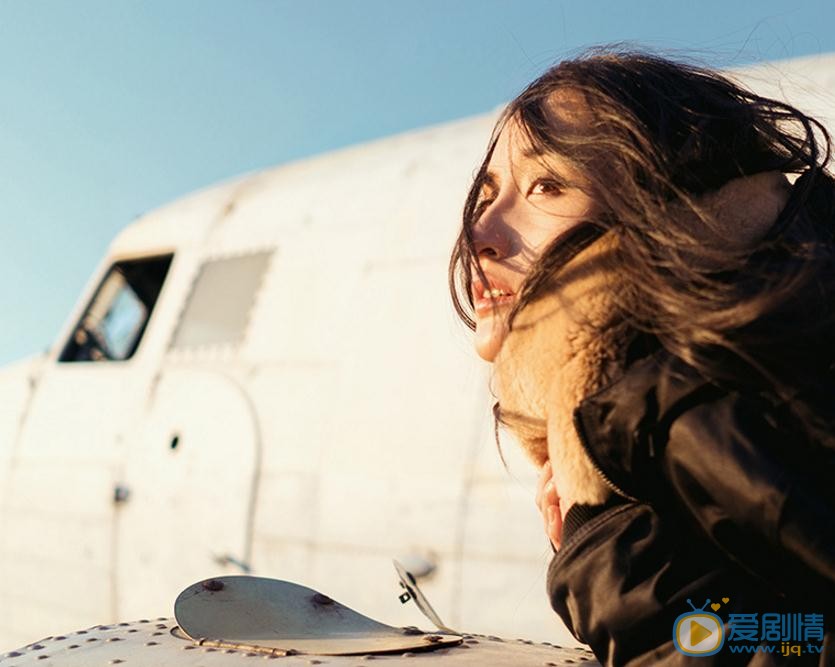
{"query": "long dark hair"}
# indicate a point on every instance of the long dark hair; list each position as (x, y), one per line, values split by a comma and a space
(656, 135)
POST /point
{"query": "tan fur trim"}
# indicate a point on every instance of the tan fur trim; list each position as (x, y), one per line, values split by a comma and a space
(736, 216)
(570, 343)
(561, 349)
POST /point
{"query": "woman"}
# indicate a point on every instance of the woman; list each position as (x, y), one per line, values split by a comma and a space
(658, 302)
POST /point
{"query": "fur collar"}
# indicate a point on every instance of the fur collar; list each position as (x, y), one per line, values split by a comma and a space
(571, 343)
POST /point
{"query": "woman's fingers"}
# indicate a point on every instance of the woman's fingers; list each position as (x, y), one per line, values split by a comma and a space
(548, 502)
(549, 494)
(544, 477)
(554, 525)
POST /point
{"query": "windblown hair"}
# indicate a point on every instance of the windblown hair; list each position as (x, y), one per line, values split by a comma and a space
(654, 136)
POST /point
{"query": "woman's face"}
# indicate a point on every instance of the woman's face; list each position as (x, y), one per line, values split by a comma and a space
(525, 205)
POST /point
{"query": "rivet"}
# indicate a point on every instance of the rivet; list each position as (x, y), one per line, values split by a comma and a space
(162, 626)
(144, 620)
(151, 643)
(189, 648)
(92, 639)
(14, 654)
(124, 625)
(412, 630)
(251, 655)
(114, 639)
(493, 638)
(230, 650)
(37, 647)
(434, 639)
(103, 627)
(213, 585)
(157, 634)
(291, 651)
(133, 630)
(210, 650)
(116, 661)
(314, 662)
(43, 657)
(60, 638)
(318, 598)
(162, 618)
(73, 646)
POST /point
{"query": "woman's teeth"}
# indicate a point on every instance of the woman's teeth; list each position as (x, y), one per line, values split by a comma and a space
(494, 293)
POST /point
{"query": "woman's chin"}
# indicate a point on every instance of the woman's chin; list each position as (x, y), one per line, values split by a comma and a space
(489, 336)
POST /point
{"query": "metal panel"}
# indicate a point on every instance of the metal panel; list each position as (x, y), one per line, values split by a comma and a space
(150, 643)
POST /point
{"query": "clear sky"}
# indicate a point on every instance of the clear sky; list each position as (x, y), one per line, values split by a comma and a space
(110, 108)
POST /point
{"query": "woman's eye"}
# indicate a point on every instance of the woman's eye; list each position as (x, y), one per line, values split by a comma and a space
(545, 186)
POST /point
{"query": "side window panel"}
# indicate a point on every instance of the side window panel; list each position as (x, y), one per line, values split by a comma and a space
(114, 322)
(218, 308)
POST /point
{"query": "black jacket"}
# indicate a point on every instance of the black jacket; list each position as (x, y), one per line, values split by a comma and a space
(720, 496)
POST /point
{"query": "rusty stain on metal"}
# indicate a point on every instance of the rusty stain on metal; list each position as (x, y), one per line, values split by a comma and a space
(213, 585)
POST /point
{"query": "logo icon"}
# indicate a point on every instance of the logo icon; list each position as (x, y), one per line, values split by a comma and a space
(698, 633)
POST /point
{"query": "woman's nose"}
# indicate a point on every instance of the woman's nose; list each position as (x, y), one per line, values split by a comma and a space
(491, 235)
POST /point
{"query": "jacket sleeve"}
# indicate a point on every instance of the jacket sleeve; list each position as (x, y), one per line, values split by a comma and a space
(624, 577)
(760, 490)
(733, 461)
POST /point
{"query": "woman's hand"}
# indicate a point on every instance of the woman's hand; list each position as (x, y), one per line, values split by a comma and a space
(549, 505)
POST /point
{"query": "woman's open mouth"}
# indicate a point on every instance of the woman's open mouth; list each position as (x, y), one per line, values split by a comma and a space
(485, 299)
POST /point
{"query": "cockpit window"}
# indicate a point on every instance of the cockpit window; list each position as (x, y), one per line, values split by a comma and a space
(114, 321)
(218, 309)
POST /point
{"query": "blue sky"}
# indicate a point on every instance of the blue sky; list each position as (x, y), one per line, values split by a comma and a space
(113, 107)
